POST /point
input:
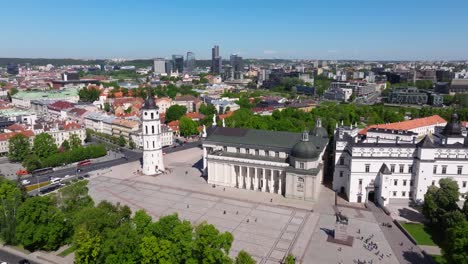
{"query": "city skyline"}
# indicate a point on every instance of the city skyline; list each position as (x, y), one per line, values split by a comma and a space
(264, 30)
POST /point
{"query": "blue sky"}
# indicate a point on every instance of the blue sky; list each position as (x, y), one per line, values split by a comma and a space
(334, 29)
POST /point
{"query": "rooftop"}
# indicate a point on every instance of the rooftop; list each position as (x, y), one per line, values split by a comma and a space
(408, 124)
(51, 94)
(7, 136)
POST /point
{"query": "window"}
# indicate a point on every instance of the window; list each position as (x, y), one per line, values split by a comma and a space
(411, 183)
(267, 153)
(392, 168)
(247, 151)
(464, 184)
(403, 194)
(367, 167)
(257, 152)
(341, 161)
(300, 184)
(394, 194)
(152, 129)
(410, 194)
(459, 170)
(146, 129)
(277, 154)
(410, 168)
(224, 148)
(153, 144)
(152, 115)
(301, 165)
(237, 150)
(433, 183)
(444, 169)
(402, 168)
(395, 182)
(360, 181)
(404, 182)
(341, 174)
(434, 169)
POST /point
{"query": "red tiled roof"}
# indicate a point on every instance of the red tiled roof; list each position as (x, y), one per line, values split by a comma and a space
(7, 136)
(226, 115)
(174, 125)
(16, 128)
(78, 111)
(195, 115)
(61, 105)
(408, 124)
(71, 126)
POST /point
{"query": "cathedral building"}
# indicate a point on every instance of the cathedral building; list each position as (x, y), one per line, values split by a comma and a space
(393, 166)
(286, 163)
(153, 162)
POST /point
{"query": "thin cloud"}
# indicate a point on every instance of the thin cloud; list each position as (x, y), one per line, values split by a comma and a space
(270, 52)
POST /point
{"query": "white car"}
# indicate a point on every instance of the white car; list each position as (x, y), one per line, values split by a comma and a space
(25, 182)
(67, 176)
(54, 180)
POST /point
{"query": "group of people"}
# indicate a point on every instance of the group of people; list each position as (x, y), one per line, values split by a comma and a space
(371, 246)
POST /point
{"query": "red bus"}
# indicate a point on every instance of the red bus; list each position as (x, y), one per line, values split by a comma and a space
(84, 163)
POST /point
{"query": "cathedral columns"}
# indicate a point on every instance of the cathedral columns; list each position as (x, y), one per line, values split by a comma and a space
(280, 176)
(248, 179)
(272, 181)
(263, 180)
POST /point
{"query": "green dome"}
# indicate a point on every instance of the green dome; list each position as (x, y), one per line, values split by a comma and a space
(319, 132)
(305, 150)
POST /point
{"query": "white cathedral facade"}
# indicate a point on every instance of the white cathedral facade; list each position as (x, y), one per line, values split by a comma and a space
(397, 167)
(153, 162)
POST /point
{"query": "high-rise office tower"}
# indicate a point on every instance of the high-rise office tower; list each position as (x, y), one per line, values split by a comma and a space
(190, 62)
(159, 66)
(216, 60)
(237, 63)
(178, 62)
(168, 67)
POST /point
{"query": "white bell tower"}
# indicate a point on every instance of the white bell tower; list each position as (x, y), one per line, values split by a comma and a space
(151, 129)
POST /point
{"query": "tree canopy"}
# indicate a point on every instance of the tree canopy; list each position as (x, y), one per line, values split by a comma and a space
(44, 145)
(19, 147)
(175, 112)
(188, 127)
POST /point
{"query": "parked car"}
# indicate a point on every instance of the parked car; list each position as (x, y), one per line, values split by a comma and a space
(55, 180)
(22, 172)
(67, 176)
(24, 261)
(25, 182)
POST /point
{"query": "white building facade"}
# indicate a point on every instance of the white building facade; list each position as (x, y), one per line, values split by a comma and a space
(153, 162)
(286, 163)
(398, 170)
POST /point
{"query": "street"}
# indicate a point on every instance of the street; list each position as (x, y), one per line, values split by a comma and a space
(130, 157)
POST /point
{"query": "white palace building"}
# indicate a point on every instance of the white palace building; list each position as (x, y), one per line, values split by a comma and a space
(286, 163)
(394, 166)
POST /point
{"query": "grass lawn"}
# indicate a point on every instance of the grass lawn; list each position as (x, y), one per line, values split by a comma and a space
(66, 251)
(419, 233)
(35, 186)
(439, 259)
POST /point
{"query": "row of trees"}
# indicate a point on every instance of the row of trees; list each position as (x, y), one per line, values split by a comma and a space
(448, 222)
(45, 153)
(107, 233)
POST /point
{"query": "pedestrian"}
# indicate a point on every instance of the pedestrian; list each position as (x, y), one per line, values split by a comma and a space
(271, 200)
(224, 212)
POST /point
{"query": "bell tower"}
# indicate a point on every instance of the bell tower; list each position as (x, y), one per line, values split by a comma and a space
(151, 130)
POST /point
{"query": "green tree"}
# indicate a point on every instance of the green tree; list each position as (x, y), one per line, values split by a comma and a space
(32, 162)
(65, 145)
(131, 144)
(13, 91)
(211, 246)
(290, 259)
(40, 225)
(75, 141)
(10, 200)
(89, 135)
(465, 209)
(142, 221)
(244, 258)
(456, 247)
(154, 250)
(87, 246)
(107, 107)
(175, 112)
(89, 95)
(121, 245)
(207, 109)
(44, 145)
(19, 147)
(72, 199)
(188, 127)
(122, 142)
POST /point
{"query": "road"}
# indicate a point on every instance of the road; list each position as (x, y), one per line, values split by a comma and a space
(11, 258)
(404, 250)
(131, 156)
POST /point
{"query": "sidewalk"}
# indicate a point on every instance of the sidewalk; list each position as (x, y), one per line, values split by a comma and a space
(40, 257)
